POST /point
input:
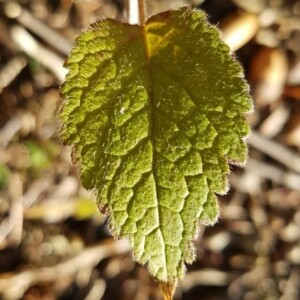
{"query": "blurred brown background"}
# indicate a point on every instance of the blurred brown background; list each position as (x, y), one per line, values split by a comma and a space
(54, 244)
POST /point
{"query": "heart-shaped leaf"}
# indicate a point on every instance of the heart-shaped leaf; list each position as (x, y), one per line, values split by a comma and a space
(155, 113)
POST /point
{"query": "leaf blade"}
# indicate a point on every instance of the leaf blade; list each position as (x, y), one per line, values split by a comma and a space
(155, 118)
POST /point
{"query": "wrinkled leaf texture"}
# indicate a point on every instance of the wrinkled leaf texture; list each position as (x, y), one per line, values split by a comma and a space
(155, 114)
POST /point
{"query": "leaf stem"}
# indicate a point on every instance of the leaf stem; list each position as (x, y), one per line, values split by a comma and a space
(142, 12)
(136, 12)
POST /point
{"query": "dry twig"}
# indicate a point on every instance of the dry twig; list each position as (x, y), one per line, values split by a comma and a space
(13, 286)
(45, 57)
(275, 150)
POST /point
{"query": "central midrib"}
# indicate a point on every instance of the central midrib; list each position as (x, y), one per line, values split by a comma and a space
(151, 130)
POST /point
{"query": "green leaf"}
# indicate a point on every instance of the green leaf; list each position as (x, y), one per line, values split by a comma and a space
(155, 113)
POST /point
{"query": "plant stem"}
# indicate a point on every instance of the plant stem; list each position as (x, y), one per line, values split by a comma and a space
(136, 12)
(142, 12)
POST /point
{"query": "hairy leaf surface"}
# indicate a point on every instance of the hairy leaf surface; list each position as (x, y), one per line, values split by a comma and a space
(155, 114)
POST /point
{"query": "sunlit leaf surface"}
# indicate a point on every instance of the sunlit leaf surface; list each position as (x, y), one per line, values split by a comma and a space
(155, 113)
